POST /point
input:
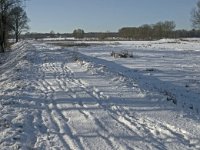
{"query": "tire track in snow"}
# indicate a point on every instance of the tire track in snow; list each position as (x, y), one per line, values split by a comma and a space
(56, 117)
(134, 124)
(99, 97)
(62, 74)
(103, 133)
(49, 120)
(52, 118)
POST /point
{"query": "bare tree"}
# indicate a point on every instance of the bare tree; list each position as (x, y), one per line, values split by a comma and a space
(196, 16)
(6, 6)
(19, 21)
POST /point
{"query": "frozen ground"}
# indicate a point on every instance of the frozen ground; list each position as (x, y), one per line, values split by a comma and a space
(56, 98)
(170, 66)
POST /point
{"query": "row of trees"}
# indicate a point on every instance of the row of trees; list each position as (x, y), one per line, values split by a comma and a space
(108, 35)
(149, 32)
(80, 33)
(13, 20)
(159, 30)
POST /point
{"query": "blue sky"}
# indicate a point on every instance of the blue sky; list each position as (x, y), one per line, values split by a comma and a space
(105, 15)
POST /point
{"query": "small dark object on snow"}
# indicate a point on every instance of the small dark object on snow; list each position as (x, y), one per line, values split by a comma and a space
(150, 69)
(122, 54)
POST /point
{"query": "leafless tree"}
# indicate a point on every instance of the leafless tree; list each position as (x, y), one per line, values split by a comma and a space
(18, 21)
(196, 16)
(6, 7)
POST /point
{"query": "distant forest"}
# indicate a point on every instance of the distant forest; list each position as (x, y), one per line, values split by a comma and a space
(145, 32)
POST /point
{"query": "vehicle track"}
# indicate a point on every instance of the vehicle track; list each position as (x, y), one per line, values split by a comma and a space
(69, 101)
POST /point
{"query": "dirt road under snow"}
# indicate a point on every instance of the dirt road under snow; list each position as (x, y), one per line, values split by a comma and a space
(52, 98)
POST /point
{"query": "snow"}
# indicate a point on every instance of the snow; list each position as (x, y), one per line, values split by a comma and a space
(82, 98)
(166, 65)
(58, 39)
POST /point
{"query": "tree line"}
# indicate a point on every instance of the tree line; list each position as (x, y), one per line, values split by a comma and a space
(159, 30)
(13, 20)
(149, 32)
(162, 29)
(117, 35)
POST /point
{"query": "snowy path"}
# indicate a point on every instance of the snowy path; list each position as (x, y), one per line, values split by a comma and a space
(60, 101)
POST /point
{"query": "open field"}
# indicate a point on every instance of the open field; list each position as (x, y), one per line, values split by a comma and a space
(72, 97)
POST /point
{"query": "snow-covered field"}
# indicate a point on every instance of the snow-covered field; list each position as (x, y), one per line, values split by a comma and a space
(82, 98)
(169, 66)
